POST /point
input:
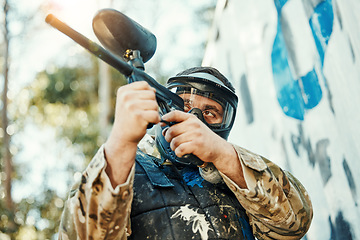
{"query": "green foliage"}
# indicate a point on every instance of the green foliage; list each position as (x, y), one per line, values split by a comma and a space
(67, 98)
(70, 86)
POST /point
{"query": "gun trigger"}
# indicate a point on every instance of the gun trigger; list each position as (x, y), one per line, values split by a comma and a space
(168, 123)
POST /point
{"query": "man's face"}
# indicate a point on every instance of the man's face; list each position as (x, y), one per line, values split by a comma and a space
(211, 110)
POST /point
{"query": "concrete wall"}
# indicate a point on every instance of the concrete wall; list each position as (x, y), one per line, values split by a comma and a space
(295, 65)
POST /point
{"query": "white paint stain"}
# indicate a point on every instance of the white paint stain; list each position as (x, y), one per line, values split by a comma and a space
(198, 220)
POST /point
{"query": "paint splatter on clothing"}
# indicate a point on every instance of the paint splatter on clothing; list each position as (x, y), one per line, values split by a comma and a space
(277, 205)
(197, 220)
(193, 178)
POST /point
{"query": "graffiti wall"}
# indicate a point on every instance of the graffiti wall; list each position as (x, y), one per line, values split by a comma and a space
(295, 65)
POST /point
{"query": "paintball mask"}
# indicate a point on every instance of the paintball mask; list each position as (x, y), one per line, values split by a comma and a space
(209, 99)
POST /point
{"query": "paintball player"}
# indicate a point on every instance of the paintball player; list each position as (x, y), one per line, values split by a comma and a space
(152, 187)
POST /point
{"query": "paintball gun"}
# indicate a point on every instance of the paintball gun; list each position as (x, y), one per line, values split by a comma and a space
(128, 46)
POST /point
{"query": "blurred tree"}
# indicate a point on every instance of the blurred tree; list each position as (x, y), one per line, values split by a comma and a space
(13, 29)
(7, 173)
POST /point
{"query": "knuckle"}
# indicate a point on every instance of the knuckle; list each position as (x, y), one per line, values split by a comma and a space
(119, 91)
(169, 133)
(152, 95)
(124, 96)
(155, 107)
(196, 125)
(175, 142)
(143, 84)
(192, 116)
(154, 118)
(180, 151)
(130, 105)
(137, 114)
(176, 113)
(194, 120)
(197, 134)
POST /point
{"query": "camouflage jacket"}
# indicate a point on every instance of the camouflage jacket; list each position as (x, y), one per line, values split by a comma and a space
(276, 203)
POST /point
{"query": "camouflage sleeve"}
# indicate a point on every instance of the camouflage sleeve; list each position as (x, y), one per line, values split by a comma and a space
(94, 210)
(277, 204)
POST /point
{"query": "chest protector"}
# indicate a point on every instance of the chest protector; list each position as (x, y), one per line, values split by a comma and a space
(175, 202)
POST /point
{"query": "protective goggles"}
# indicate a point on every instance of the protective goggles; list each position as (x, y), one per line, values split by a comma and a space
(208, 94)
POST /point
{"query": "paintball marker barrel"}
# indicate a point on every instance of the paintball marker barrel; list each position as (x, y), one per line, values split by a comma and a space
(164, 96)
(91, 46)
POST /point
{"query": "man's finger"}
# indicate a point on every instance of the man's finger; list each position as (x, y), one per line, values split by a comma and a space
(175, 116)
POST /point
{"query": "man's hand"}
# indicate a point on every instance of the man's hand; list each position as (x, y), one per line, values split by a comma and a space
(190, 135)
(136, 107)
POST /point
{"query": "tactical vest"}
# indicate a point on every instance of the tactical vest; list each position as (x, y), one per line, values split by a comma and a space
(175, 202)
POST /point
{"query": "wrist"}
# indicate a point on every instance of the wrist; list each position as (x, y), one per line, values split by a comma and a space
(227, 159)
(230, 165)
(120, 159)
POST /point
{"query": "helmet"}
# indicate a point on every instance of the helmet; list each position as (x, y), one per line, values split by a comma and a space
(195, 88)
(209, 99)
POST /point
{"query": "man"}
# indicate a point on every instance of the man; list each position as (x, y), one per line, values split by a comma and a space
(159, 193)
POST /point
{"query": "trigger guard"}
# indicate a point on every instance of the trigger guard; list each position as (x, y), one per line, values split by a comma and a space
(190, 159)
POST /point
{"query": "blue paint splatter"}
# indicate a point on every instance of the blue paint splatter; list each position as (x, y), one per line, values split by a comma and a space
(193, 178)
(321, 24)
(279, 4)
(288, 90)
(246, 228)
(311, 90)
(295, 96)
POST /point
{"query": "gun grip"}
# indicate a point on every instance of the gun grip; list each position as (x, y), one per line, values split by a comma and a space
(191, 159)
